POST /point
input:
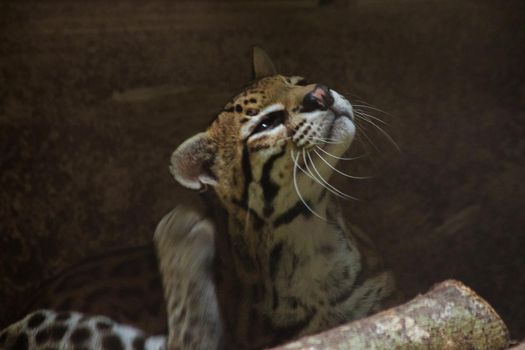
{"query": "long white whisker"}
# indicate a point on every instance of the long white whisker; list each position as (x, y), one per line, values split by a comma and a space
(340, 158)
(362, 132)
(328, 141)
(326, 185)
(369, 107)
(360, 99)
(384, 133)
(366, 146)
(296, 165)
(340, 172)
(309, 173)
(362, 113)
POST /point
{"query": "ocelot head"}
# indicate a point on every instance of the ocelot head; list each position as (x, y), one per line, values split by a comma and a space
(276, 142)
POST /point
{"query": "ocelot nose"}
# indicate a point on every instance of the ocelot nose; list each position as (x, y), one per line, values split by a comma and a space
(319, 98)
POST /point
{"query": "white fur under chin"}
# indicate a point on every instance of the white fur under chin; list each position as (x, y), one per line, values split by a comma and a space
(341, 135)
(343, 128)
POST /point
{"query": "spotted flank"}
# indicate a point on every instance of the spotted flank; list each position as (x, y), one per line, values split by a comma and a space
(46, 329)
(273, 257)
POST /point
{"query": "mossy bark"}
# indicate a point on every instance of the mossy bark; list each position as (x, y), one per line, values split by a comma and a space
(449, 316)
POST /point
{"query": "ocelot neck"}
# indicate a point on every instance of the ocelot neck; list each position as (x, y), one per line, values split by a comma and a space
(312, 236)
(282, 270)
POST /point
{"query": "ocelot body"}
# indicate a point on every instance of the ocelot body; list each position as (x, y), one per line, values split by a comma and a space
(271, 257)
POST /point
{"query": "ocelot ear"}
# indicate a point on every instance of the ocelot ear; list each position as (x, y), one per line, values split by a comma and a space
(262, 64)
(191, 162)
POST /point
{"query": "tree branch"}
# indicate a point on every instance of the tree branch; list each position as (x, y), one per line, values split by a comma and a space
(449, 316)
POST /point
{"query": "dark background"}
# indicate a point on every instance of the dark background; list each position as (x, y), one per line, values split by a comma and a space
(94, 96)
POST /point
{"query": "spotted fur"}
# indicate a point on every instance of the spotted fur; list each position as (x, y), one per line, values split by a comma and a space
(46, 329)
(273, 258)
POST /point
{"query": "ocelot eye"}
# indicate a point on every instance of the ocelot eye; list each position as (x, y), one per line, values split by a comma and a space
(270, 121)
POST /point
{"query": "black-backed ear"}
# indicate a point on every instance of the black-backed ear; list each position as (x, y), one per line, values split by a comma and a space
(262, 64)
(192, 160)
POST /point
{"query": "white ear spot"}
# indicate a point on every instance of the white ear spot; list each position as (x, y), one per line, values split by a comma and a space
(191, 162)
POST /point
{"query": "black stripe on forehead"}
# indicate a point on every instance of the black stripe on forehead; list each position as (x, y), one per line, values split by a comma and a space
(269, 187)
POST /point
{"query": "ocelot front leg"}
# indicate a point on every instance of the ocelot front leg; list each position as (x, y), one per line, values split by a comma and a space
(184, 242)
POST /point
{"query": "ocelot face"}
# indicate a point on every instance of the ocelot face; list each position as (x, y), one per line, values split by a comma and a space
(281, 135)
(282, 110)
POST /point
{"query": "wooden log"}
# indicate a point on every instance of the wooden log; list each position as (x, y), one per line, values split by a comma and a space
(520, 346)
(449, 316)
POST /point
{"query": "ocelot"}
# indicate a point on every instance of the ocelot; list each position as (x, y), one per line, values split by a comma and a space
(270, 259)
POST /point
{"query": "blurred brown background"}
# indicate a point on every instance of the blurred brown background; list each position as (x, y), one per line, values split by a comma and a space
(94, 96)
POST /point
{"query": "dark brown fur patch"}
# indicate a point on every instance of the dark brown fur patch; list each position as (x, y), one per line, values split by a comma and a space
(36, 320)
(251, 112)
(112, 342)
(80, 335)
(63, 316)
(21, 342)
(42, 336)
(54, 333)
(103, 325)
(138, 343)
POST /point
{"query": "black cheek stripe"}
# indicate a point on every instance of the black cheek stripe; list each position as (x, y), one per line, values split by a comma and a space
(288, 216)
(247, 172)
(270, 188)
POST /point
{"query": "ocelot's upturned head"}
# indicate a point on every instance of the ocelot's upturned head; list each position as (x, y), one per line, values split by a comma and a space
(276, 142)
